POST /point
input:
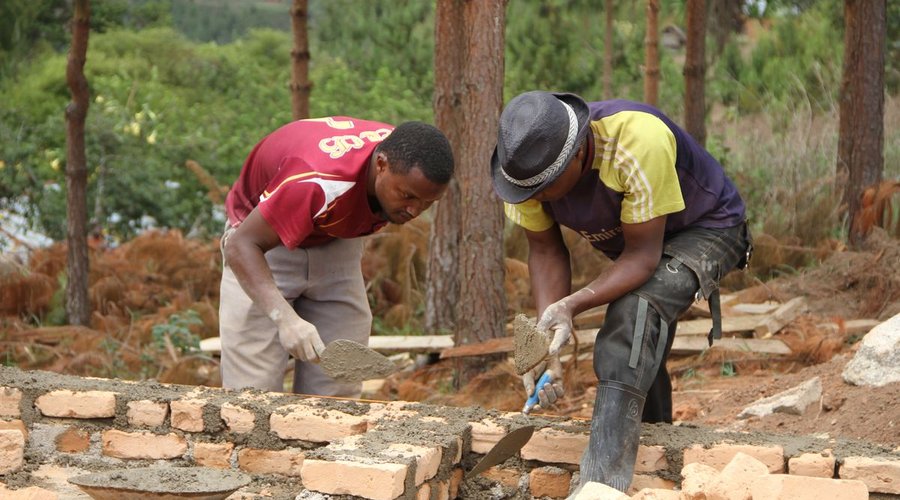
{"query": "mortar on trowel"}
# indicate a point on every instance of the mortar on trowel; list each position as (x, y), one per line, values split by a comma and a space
(531, 347)
(348, 361)
(156, 483)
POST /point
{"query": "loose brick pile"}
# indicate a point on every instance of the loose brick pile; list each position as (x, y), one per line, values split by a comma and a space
(396, 450)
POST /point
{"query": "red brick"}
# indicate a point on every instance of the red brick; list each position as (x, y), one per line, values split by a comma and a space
(318, 425)
(217, 455)
(285, 462)
(656, 494)
(428, 459)
(240, 420)
(29, 493)
(555, 446)
(507, 477)
(733, 483)
(12, 450)
(187, 414)
(880, 475)
(343, 477)
(813, 465)
(147, 413)
(549, 482)
(17, 425)
(647, 481)
(651, 459)
(73, 440)
(485, 434)
(786, 486)
(10, 400)
(142, 445)
(82, 404)
(697, 477)
(719, 455)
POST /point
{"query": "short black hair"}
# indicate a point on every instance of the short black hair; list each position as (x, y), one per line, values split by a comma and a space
(418, 144)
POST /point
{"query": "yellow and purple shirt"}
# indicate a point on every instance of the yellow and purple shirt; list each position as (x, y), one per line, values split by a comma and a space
(644, 166)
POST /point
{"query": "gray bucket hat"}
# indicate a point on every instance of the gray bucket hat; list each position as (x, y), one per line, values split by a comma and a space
(539, 135)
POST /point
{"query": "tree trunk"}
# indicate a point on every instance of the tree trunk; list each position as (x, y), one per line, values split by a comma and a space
(471, 103)
(78, 306)
(300, 86)
(651, 62)
(442, 291)
(608, 50)
(861, 134)
(695, 71)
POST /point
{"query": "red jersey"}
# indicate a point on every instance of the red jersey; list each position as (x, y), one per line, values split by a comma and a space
(309, 180)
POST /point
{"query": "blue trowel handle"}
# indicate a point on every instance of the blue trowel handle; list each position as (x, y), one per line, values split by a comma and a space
(533, 399)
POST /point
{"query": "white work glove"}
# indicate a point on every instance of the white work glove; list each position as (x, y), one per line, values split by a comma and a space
(552, 390)
(557, 320)
(300, 338)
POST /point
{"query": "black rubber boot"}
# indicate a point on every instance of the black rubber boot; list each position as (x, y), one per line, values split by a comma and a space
(615, 434)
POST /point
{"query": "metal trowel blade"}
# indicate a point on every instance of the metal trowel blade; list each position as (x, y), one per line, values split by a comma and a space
(508, 446)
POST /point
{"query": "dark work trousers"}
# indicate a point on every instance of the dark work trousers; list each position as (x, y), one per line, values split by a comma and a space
(628, 348)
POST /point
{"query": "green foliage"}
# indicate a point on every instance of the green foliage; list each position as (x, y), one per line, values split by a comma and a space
(177, 332)
(158, 98)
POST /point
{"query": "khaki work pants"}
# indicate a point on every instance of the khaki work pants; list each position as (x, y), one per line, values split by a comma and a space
(325, 286)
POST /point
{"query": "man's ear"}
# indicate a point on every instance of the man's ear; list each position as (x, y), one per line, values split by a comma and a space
(381, 163)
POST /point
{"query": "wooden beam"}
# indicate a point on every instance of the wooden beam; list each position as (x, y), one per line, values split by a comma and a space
(733, 324)
(696, 344)
(786, 313)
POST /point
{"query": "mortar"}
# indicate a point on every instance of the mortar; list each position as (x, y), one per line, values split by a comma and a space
(154, 483)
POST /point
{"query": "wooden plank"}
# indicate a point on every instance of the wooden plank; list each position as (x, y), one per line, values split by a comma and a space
(212, 345)
(493, 346)
(786, 313)
(761, 308)
(733, 324)
(393, 344)
(697, 344)
(860, 326)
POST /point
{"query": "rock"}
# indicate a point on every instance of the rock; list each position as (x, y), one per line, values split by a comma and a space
(877, 362)
(792, 401)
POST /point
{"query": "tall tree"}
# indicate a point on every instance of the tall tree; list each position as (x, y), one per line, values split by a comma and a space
(695, 71)
(300, 86)
(469, 60)
(651, 56)
(861, 131)
(78, 306)
(608, 50)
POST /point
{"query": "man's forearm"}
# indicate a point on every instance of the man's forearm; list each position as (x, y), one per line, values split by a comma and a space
(253, 274)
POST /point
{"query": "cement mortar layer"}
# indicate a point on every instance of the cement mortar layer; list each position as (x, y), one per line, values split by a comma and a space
(409, 423)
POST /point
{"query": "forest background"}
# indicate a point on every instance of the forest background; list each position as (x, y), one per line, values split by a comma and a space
(204, 80)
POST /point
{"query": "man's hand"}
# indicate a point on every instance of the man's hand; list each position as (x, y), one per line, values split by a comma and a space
(557, 320)
(300, 338)
(552, 390)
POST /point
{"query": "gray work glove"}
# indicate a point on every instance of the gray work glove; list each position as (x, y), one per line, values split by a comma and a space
(557, 321)
(300, 338)
(551, 391)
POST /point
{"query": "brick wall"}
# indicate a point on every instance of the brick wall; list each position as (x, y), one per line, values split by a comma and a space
(368, 450)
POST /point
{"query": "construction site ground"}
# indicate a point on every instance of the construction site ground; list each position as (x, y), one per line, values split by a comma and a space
(141, 290)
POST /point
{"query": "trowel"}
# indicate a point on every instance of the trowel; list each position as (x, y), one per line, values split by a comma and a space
(348, 361)
(508, 446)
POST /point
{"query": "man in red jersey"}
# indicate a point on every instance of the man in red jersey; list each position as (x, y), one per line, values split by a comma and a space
(292, 279)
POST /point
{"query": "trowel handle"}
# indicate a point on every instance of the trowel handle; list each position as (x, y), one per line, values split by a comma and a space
(533, 399)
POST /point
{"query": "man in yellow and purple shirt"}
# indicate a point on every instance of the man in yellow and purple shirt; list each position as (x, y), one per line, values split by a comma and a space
(641, 190)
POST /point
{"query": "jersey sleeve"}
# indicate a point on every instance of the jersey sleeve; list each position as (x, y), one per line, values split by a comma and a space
(290, 202)
(640, 164)
(529, 214)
